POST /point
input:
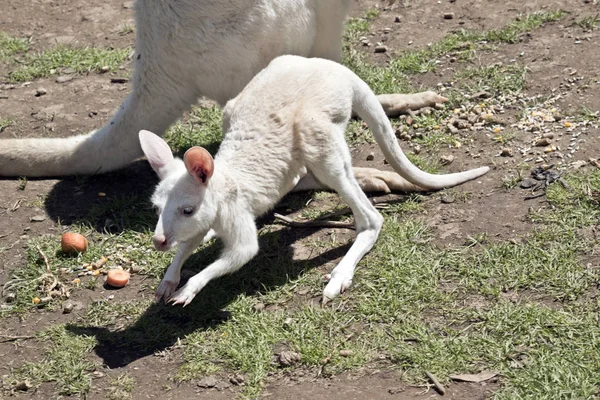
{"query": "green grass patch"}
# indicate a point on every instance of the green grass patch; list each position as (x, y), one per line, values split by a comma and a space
(588, 23)
(5, 123)
(201, 128)
(64, 363)
(121, 388)
(81, 60)
(10, 46)
(462, 44)
(495, 78)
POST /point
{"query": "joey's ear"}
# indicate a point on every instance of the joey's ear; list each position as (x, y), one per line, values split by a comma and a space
(157, 152)
(199, 164)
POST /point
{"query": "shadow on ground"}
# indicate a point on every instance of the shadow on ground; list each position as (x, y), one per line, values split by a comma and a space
(162, 325)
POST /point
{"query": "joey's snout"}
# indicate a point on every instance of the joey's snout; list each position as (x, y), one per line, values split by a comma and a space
(161, 243)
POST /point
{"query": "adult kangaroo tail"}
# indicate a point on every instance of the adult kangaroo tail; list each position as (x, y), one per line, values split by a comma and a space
(367, 107)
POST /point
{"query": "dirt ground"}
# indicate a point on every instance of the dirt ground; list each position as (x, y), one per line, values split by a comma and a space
(553, 53)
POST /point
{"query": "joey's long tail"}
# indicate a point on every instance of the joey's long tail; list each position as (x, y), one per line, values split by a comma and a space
(367, 107)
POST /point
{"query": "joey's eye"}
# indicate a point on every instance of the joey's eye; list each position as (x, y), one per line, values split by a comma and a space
(188, 211)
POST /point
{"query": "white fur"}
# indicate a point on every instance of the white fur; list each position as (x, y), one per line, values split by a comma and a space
(186, 49)
(289, 120)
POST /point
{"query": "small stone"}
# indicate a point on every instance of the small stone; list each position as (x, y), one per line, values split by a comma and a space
(105, 68)
(387, 30)
(23, 385)
(409, 120)
(417, 149)
(207, 382)
(346, 353)
(40, 91)
(64, 78)
(288, 322)
(481, 95)
(506, 152)
(461, 124)
(10, 297)
(237, 379)
(135, 269)
(542, 142)
(449, 15)
(395, 390)
(548, 135)
(68, 307)
(447, 199)
(447, 160)
(98, 374)
(259, 307)
(38, 218)
(288, 358)
(397, 19)
(527, 183)
(381, 49)
(453, 130)
(371, 157)
(550, 149)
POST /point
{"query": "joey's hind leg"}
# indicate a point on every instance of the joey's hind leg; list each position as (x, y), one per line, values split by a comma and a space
(335, 171)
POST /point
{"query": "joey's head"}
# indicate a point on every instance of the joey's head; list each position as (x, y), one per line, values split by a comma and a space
(181, 197)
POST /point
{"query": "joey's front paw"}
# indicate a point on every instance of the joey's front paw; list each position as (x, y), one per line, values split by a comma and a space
(166, 289)
(186, 294)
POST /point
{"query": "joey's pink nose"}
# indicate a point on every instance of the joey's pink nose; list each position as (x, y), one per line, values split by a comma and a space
(160, 242)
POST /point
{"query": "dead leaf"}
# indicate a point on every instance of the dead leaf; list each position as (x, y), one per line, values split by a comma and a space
(480, 377)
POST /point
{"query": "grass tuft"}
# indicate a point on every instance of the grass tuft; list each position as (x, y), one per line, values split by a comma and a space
(81, 60)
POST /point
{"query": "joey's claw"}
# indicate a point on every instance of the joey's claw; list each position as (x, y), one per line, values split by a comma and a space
(165, 289)
(184, 295)
(338, 284)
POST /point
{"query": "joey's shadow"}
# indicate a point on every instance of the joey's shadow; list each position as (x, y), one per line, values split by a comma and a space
(160, 326)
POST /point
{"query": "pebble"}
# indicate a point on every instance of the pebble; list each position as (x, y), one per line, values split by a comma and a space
(447, 199)
(98, 374)
(288, 358)
(237, 379)
(207, 382)
(346, 353)
(542, 142)
(447, 160)
(506, 152)
(449, 15)
(40, 92)
(23, 386)
(38, 218)
(527, 183)
(10, 297)
(397, 19)
(371, 157)
(64, 78)
(259, 307)
(68, 307)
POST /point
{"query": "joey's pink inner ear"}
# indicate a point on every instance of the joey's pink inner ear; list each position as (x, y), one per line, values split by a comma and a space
(156, 150)
(199, 164)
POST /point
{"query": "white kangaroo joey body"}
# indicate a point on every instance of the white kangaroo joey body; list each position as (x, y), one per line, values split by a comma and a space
(185, 49)
(287, 126)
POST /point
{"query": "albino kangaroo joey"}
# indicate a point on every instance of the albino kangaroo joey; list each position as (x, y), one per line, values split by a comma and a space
(188, 49)
(287, 126)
